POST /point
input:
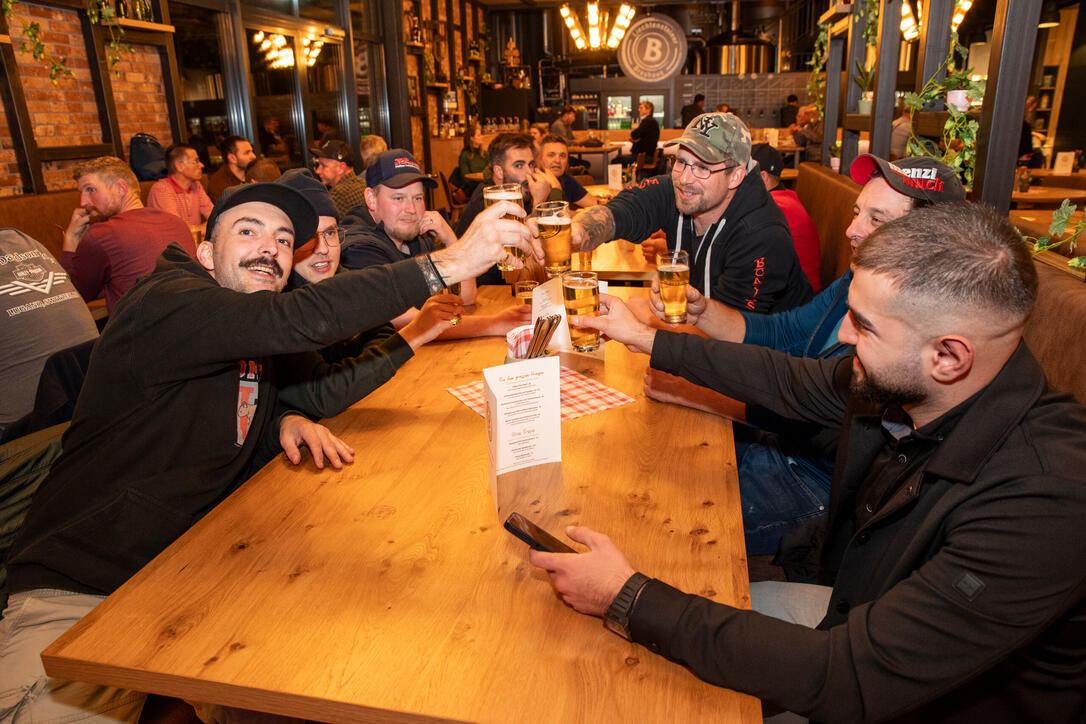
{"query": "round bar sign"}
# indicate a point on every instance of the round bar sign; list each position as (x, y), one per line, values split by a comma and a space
(653, 50)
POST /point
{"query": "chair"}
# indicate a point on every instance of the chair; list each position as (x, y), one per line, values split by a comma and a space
(648, 165)
(58, 389)
(454, 207)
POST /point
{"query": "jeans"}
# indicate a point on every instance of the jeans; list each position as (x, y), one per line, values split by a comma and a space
(778, 492)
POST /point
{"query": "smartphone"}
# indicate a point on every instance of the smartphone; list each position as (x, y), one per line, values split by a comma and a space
(534, 536)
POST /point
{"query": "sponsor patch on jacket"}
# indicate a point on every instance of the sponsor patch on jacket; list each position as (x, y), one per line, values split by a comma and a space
(248, 396)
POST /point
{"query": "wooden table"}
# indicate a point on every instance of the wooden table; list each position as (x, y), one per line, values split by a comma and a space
(474, 176)
(597, 167)
(1051, 196)
(389, 592)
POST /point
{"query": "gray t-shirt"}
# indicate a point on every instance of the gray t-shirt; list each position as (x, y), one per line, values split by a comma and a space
(40, 313)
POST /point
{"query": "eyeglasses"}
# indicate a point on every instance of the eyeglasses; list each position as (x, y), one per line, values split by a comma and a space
(696, 170)
(332, 236)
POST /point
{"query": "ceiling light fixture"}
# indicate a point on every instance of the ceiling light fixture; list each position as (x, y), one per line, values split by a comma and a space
(910, 25)
(597, 22)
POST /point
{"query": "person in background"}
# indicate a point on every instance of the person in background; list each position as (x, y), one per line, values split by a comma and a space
(111, 239)
(326, 131)
(807, 132)
(555, 161)
(537, 131)
(563, 125)
(723, 108)
(472, 159)
(262, 170)
(692, 111)
(403, 228)
(804, 233)
(237, 154)
(741, 251)
(645, 137)
(181, 193)
(789, 111)
(511, 160)
(271, 143)
(951, 571)
(40, 314)
(335, 167)
(900, 132)
(368, 149)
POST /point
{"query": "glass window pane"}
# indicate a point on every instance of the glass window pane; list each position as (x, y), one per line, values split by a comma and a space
(199, 61)
(274, 78)
(324, 74)
(322, 10)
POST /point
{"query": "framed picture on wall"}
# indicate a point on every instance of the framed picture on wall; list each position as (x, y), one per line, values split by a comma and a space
(451, 101)
(413, 97)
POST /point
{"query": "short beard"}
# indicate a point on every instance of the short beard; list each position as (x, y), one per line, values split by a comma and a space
(886, 394)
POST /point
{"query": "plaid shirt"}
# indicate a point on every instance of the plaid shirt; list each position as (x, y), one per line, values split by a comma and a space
(348, 193)
(192, 205)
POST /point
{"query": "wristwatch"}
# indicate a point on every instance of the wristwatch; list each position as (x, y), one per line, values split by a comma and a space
(617, 617)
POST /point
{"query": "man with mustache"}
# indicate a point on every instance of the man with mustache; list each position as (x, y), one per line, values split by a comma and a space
(740, 247)
(111, 239)
(403, 228)
(180, 406)
(952, 565)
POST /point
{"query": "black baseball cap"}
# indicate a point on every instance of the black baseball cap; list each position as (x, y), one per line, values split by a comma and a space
(336, 150)
(396, 168)
(302, 179)
(302, 215)
(768, 158)
(920, 177)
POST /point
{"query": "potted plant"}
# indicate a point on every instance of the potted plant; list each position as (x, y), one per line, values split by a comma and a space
(835, 156)
(865, 79)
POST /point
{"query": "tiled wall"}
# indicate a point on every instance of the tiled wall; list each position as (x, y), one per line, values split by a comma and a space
(756, 98)
(65, 113)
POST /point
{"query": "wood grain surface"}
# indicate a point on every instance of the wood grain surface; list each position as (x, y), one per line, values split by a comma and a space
(389, 592)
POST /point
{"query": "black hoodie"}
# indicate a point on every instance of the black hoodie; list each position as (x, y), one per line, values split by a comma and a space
(166, 426)
(752, 261)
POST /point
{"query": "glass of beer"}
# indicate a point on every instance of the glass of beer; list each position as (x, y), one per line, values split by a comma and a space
(523, 290)
(506, 192)
(582, 261)
(581, 292)
(673, 271)
(554, 231)
(454, 289)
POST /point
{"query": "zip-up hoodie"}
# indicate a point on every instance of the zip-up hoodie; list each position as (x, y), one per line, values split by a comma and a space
(745, 260)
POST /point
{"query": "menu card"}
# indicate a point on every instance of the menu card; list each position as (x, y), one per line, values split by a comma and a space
(523, 416)
(1065, 163)
(614, 176)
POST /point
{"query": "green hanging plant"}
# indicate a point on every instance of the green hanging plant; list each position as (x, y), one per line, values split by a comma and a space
(1061, 223)
(816, 81)
(957, 146)
(99, 12)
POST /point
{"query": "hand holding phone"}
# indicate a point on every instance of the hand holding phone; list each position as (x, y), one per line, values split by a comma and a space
(537, 538)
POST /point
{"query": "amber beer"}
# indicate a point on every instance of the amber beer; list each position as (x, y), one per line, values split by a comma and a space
(507, 192)
(673, 270)
(554, 232)
(454, 289)
(582, 296)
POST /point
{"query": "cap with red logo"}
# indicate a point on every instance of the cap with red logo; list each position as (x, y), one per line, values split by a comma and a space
(396, 168)
(921, 177)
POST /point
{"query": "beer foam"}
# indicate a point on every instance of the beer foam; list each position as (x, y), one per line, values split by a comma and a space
(579, 283)
(673, 267)
(556, 220)
(504, 196)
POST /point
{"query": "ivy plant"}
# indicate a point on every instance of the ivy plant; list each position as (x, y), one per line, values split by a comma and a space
(98, 11)
(816, 81)
(957, 147)
(1061, 223)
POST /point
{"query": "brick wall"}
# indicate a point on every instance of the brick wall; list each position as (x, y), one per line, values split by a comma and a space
(66, 114)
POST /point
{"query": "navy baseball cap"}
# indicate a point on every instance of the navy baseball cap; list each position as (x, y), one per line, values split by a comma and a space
(396, 168)
(768, 158)
(302, 179)
(920, 177)
(302, 215)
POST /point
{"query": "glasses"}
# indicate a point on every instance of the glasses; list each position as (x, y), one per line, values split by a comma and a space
(696, 170)
(332, 236)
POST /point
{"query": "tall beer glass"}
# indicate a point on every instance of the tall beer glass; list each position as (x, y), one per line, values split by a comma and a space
(673, 271)
(506, 192)
(554, 232)
(582, 297)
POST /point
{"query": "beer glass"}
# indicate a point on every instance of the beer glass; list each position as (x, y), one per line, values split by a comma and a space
(454, 289)
(523, 290)
(673, 271)
(554, 231)
(506, 192)
(582, 297)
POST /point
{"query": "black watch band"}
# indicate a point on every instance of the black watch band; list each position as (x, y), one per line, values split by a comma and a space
(617, 617)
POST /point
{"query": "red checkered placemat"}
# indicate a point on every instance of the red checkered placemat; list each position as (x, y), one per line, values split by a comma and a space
(580, 395)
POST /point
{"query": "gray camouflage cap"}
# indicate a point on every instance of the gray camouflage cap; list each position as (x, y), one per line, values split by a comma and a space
(715, 138)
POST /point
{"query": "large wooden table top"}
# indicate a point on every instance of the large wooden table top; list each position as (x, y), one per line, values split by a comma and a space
(390, 592)
(1048, 195)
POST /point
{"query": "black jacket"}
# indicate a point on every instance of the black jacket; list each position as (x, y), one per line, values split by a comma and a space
(159, 436)
(645, 136)
(752, 261)
(960, 600)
